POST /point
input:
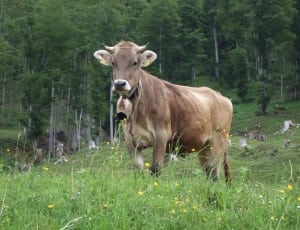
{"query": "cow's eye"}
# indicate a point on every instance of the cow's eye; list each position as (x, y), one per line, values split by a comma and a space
(135, 63)
(112, 63)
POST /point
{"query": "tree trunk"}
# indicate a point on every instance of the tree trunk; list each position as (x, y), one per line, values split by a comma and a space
(88, 127)
(78, 128)
(51, 146)
(281, 87)
(111, 112)
(216, 46)
(3, 99)
(160, 52)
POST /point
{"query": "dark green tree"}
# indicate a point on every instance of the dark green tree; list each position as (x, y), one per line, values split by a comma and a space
(235, 71)
(192, 58)
(295, 87)
(272, 39)
(162, 31)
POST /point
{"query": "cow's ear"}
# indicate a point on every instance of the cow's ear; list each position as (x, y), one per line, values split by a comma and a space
(148, 57)
(103, 56)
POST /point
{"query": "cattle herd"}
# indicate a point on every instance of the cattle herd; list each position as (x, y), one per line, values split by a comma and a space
(165, 116)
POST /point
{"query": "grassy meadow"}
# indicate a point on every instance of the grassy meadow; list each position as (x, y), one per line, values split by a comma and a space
(100, 190)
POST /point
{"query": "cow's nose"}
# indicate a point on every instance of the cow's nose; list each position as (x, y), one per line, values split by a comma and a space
(120, 83)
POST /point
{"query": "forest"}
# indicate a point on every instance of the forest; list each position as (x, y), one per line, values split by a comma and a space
(51, 84)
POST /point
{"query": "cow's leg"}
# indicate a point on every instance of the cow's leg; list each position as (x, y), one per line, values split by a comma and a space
(212, 157)
(137, 155)
(209, 165)
(227, 167)
(158, 155)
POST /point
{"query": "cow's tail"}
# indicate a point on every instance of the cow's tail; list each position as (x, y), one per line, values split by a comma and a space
(226, 167)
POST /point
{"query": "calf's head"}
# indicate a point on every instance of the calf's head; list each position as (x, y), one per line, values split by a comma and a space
(126, 59)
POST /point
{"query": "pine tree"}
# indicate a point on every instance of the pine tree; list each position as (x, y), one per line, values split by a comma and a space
(160, 27)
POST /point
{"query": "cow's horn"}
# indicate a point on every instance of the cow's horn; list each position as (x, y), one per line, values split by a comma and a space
(109, 48)
(141, 48)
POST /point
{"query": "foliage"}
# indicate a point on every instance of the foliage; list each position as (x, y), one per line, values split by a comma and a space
(47, 45)
(100, 190)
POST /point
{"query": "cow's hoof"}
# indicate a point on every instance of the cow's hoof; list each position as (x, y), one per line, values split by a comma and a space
(155, 170)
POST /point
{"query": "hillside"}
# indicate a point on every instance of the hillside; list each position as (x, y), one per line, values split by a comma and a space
(267, 160)
(99, 189)
(261, 159)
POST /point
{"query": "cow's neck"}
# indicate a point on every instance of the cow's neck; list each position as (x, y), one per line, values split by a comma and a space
(134, 93)
(138, 90)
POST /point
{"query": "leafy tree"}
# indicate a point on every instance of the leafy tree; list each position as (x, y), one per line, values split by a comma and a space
(192, 42)
(211, 30)
(270, 23)
(133, 13)
(161, 29)
(47, 46)
(9, 66)
(236, 71)
(36, 102)
(296, 30)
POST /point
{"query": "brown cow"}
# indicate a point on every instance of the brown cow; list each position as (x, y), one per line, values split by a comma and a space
(165, 115)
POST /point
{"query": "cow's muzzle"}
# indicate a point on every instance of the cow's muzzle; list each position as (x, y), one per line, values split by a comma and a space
(121, 86)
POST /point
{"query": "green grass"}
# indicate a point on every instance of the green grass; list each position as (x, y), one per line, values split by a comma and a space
(100, 190)
(8, 136)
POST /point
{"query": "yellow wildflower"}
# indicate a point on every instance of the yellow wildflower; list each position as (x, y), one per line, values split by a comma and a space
(272, 218)
(173, 211)
(45, 168)
(105, 206)
(193, 150)
(50, 206)
(281, 191)
(298, 198)
(140, 193)
(147, 164)
(177, 202)
(155, 183)
(290, 187)
(184, 210)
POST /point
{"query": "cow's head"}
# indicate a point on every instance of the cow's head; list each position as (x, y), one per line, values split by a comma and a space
(126, 59)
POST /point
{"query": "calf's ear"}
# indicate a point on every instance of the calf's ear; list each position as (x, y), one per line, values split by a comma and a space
(148, 57)
(103, 56)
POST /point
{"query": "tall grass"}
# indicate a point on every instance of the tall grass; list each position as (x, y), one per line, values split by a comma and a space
(100, 190)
